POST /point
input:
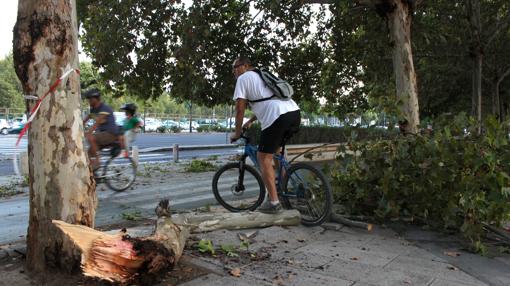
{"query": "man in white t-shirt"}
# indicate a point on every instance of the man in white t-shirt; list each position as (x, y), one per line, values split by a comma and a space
(278, 119)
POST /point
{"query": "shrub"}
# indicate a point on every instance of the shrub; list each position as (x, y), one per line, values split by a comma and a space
(452, 179)
(175, 129)
(211, 128)
(162, 129)
(198, 166)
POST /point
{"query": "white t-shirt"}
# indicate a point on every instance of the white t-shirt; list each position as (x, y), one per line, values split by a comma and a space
(251, 87)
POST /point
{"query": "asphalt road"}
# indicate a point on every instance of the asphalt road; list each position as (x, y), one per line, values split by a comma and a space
(149, 140)
(185, 191)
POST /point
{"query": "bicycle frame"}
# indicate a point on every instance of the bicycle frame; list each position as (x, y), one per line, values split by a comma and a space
(250, 151)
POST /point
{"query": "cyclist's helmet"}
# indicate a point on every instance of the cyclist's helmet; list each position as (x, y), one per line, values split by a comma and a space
(130, 107)
(94, 92)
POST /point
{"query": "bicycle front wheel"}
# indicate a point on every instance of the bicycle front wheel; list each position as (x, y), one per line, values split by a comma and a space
(238, 189)
(119, 173)
(307, 190)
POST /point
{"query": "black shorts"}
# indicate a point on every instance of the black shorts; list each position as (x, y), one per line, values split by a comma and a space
(272, 137)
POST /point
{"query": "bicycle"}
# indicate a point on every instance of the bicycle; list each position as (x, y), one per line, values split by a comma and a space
(119, 172)
(239, 186)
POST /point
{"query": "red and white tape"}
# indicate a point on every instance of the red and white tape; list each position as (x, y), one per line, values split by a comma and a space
(35, 109)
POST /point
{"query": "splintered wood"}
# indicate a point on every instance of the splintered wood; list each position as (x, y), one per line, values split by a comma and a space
(119, 258)
(113, 259)
(122, 259)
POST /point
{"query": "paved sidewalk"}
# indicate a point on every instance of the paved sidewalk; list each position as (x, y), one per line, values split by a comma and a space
(318, 256)
(346, 256)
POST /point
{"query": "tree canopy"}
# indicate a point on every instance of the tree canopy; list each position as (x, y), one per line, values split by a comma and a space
(336, 53)
(11, 94)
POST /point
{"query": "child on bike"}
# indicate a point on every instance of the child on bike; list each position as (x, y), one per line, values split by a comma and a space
(132, 125)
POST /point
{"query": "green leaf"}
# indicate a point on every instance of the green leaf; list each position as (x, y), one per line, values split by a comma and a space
(205, 245)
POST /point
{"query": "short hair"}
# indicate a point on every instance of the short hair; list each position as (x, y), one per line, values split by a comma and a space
(243, 60)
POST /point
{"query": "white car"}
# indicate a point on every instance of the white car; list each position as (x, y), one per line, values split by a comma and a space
(184, 124)
(151, 125)
(4, 127)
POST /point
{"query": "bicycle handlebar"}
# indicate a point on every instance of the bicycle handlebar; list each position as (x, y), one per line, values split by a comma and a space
(243, 135)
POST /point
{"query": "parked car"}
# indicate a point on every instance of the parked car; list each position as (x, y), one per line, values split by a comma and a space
(184, 124)
(207, 122)
(119, 118)
(18, 121)
(169, 123)
(4, 126)
(16, 129)
(152, 124)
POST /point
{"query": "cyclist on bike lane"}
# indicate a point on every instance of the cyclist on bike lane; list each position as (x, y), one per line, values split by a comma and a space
(278, 119)
(104, 132)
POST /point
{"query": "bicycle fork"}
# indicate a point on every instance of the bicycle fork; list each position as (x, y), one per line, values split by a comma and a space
(240, 179)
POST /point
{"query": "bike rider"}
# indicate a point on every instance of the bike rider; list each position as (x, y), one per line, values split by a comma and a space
(278, 118)
(132, 125)
(104, 132)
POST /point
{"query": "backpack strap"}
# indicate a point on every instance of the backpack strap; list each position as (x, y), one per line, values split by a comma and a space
(262, 99)
(256, 70)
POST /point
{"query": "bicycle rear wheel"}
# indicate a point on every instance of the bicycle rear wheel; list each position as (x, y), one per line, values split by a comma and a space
(119, 173)
(235, 192)
(307, 190)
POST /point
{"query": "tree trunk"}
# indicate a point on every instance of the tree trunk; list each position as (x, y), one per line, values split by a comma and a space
(399, 24)
(61, 184)
(496, 106)
(496, 97)
(473, 14)
(477, 85)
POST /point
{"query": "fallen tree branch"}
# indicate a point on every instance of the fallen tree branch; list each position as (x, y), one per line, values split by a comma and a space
(345, 221)
(502, 233)
(199, 222)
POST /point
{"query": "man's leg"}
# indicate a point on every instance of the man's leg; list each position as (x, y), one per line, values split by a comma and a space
(93, 157)
(268, 175)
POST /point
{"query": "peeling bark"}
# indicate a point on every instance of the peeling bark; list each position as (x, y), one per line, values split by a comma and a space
(399, 23)
(473, 14)
(61, 185)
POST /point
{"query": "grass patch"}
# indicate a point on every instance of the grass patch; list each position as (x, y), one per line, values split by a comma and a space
(199, 166)
(134, 215)
(213, 158)
(7, 191)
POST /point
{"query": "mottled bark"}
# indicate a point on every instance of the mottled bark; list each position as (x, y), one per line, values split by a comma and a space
(202, 222)
(473, 14)
(497, 107)
(61, 185)
(399, 23)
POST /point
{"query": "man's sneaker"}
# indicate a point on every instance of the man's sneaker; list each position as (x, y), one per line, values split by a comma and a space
(268, 208)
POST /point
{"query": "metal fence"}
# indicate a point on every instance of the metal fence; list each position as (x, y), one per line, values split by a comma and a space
(223, 114)
(11, 113)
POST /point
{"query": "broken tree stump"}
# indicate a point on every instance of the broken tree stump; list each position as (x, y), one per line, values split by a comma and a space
(122, 259)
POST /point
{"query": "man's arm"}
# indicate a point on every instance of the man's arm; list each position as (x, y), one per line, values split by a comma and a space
(240, 108)
(87, 118)
(101, 118)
